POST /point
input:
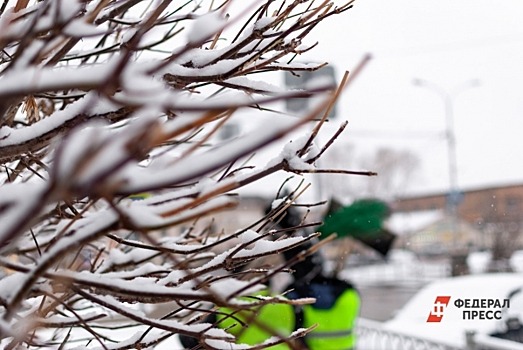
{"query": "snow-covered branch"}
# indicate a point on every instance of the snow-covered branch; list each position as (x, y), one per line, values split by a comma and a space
(109, 112)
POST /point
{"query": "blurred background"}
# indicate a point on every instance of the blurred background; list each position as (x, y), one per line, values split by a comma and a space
(437, 112)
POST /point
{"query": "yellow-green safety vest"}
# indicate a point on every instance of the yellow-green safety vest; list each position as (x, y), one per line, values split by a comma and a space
(335, 326)
(277, 319)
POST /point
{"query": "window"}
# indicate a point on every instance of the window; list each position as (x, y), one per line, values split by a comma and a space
(513, 204)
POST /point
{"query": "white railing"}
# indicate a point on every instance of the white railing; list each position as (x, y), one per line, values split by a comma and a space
(371, 335)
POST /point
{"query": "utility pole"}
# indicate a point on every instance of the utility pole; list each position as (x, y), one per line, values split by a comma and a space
(454, 195)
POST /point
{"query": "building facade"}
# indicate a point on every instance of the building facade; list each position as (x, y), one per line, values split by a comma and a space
(495, 212)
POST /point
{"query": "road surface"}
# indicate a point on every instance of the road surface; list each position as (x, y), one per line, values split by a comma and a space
(379, 303)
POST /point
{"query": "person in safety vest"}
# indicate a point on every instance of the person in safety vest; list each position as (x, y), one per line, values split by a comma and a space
(253, 328)
(337, 302)
(270, 320)
(333, 314)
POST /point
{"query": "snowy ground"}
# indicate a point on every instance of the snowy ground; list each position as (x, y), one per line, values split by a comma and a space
(401, 268)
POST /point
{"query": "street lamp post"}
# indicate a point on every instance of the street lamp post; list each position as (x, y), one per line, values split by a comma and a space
(454, 194)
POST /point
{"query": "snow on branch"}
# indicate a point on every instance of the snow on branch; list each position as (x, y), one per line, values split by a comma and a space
(113, 180)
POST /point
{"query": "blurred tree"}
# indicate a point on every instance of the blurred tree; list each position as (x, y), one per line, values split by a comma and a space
(395, 169)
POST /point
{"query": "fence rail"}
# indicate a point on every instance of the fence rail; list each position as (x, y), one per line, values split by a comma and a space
(372, 335)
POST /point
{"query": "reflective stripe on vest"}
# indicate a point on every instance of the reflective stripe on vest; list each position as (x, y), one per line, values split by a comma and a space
(333, 334)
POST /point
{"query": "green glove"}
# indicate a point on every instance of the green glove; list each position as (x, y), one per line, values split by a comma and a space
(362, 220)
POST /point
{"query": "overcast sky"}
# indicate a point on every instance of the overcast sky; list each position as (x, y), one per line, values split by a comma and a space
(446, 42)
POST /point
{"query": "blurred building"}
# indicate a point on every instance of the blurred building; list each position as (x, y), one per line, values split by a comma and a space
(438, 237)
(487, 218)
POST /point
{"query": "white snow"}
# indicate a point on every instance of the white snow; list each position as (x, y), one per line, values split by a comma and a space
(227, 287)
(7, 283)
(185, 169)
(9, 136)
(404, 223)
(221, 67)
(147, 287)
(19, 200)
(49, 79)
(80, 28)
(262, 247)
(117, 257)
(516, 261)
(255, 85)
(263, 22)
(205, 26)
(478, 262)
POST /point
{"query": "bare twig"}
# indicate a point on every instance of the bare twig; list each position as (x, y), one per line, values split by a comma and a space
(113, 186)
